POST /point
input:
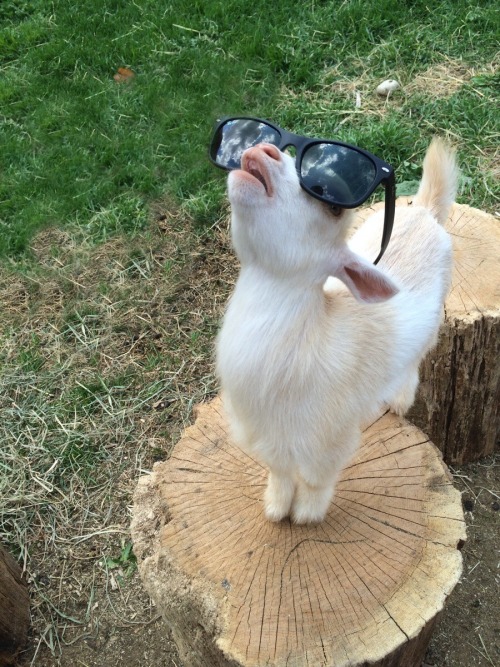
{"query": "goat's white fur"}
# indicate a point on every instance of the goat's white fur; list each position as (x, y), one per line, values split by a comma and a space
(305, 359)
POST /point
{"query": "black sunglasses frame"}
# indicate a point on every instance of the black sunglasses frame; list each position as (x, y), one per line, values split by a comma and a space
(384, 172)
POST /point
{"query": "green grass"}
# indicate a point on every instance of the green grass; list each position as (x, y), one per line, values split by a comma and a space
(79, 148)
(125, 562)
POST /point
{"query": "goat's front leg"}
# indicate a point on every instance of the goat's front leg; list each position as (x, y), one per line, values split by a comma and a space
(317, 479)
(279, 495)
(312, 501)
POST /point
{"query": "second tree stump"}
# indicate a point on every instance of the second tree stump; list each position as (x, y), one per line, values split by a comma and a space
(458, 399)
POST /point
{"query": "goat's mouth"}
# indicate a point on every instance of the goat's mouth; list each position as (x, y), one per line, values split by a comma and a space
(256, 174)
(255, 167)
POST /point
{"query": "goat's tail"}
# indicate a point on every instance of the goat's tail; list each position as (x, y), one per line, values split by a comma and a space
(438, 186)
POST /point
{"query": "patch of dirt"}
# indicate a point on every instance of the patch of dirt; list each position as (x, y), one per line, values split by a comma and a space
(469, 632)
(119, 626)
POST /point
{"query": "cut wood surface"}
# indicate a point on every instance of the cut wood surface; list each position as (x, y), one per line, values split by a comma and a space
(364, 586)
(14, 609)
(458, 401)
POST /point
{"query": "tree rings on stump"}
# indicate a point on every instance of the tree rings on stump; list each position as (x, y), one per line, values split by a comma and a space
(364, 586)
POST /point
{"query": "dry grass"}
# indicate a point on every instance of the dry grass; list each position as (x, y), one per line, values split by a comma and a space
(358, 94)
(441, 80)
(489, 162)
(104, 352)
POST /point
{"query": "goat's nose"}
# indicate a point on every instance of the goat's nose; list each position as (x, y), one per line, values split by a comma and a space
(272, 151)
(268, 149)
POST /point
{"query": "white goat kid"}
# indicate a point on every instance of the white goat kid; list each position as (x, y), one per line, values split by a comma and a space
(315, 339)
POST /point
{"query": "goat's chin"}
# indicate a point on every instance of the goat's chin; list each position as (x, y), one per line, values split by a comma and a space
(244, 189)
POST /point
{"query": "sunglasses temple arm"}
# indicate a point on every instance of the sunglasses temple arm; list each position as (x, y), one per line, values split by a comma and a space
(390, 206)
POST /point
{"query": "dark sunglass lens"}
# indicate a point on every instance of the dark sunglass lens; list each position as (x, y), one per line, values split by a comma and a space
(235, 136)
(339, 174)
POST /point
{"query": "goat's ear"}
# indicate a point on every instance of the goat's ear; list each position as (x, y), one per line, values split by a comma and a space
(367, 283)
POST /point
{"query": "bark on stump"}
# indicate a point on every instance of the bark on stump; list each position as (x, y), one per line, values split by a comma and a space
(363, 587)
(14, 609)
(458, 400)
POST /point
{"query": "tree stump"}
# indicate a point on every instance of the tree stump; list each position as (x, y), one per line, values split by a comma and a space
(365, 586)
(14, 609)
(458, 400)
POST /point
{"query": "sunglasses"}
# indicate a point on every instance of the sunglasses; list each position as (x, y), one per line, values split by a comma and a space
(331, 171)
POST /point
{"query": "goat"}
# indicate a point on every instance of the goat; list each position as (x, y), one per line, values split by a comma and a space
(315, 339)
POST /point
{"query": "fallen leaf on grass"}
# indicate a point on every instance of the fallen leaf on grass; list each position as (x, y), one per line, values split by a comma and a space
(123, 75)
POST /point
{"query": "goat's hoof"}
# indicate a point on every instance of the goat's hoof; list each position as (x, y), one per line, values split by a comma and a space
(275, 513)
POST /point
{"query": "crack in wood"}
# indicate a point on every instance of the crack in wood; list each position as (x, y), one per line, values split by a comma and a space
(394, 516)
(390, 453)
(396, 623)
(391, 537)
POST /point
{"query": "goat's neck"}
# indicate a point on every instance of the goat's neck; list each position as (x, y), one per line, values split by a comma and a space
(268, 290)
